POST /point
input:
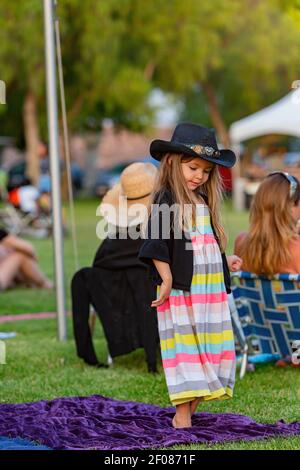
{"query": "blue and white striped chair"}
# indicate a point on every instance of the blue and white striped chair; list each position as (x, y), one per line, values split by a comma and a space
(269, 310)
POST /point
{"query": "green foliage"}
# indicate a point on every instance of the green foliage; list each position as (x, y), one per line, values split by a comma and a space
(258, 57)
(116, 51)
(107, 79)
(21, 44)
(21, 59)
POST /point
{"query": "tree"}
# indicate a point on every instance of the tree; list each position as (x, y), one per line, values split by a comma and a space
(225, 58)
(22, 68)
(258, 60)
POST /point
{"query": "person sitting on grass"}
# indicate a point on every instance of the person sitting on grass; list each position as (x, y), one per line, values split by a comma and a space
(18, 264)
(117, 284)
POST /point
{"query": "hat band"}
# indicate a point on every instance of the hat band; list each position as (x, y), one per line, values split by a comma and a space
(203, 150)
(137, 198)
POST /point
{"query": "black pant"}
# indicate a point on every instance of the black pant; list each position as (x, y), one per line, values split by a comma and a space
(122, 301)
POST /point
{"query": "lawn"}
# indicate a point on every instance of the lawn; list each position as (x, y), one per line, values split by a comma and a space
(40, 367)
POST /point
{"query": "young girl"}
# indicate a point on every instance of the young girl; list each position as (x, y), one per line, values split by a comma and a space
(191, 271)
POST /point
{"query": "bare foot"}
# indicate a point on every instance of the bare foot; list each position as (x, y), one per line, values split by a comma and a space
(181, 423)
(194, 405)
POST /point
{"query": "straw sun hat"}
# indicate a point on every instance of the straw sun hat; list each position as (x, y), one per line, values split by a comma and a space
(125, 205)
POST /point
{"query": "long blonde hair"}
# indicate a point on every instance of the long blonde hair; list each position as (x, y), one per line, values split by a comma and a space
(265, 249)
(170, 176)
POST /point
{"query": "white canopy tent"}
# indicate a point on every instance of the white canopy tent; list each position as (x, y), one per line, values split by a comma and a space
(282, 117)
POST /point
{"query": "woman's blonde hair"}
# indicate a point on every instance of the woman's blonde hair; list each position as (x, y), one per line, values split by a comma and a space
(265, 248)
(170, 176)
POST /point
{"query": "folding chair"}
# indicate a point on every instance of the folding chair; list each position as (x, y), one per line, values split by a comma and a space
(239, 334)
(269, 310)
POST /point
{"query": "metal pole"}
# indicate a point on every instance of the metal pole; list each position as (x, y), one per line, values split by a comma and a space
(55, 166)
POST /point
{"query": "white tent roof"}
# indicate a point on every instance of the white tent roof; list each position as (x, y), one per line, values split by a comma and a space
(282, 117)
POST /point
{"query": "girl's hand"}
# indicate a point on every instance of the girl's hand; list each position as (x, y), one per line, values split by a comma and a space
(164, 293)
(234, 263)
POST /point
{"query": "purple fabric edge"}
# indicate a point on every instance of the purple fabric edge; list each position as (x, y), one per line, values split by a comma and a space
(102, 423)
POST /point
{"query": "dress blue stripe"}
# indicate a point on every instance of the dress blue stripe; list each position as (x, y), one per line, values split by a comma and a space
(208, 288)
(193, 349)
(199, 289)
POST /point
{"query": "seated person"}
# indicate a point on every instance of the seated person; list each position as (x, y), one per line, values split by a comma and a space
(18, 264)
(25, 198)
(44, 184)
(117, 284)
(272, 244)
(258, 167)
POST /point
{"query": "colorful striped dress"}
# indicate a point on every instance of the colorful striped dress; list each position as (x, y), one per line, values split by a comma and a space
(195, 328)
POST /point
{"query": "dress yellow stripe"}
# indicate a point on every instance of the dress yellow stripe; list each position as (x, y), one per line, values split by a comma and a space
(210, 278)
(206, 395)
(203, 338)
(202, 220)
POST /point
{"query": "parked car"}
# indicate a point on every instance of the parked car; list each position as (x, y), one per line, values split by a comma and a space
(106, 179)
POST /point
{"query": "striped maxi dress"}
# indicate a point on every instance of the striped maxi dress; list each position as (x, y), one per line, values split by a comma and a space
(195, 329)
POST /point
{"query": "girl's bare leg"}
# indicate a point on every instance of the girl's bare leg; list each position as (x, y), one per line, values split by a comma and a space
(32, 274)
(182, 418)
(194, 405)
(9, 269)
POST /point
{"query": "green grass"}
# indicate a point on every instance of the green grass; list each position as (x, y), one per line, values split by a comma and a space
(40, 367)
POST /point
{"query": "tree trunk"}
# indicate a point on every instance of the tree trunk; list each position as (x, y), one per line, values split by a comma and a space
(31, 131)
(75, 109)
(215, 114)
(149, 70)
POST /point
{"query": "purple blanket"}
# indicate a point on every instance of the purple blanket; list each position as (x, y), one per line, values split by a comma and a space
(97, 422)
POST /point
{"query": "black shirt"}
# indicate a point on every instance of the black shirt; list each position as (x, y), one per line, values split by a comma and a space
(173, 251)
(119, 252)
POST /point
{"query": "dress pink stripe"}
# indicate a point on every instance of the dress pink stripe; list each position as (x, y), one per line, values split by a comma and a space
(196, 358)
(180, 300)
(204, 239)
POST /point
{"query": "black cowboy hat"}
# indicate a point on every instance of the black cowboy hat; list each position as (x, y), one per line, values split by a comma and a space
(196, 141)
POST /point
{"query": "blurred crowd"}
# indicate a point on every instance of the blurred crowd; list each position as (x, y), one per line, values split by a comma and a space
(256, 165)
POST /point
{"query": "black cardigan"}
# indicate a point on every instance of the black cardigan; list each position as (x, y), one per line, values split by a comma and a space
(172, 251)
